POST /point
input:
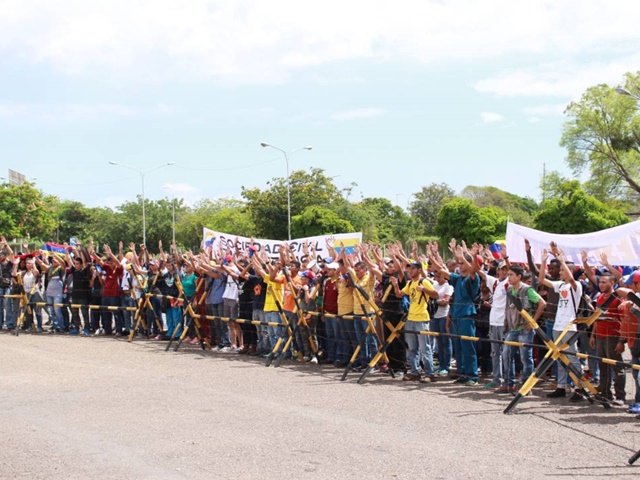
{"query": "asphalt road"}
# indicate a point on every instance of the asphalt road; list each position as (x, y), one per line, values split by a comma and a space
(100, 408)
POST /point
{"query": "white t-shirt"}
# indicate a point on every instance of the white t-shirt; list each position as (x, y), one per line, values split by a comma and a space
(499, 305)
(443, 290)
(231, 288)
(566, 307)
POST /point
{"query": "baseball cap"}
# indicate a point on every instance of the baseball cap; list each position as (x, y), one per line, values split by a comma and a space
(633, 278)
(333, 265)
(415, 264)
(327, 259)
(308, 274)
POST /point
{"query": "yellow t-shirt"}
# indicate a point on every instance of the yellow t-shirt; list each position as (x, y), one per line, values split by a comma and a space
(345, 297)
(275, 291)
(367, 282)
(418, 301)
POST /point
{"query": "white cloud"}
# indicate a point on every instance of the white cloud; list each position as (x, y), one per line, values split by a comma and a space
(78, 112)
(491, 117)
(357, 114)
(558, 79)
(257, 41)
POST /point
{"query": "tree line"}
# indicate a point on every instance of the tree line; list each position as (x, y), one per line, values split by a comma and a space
(601, 136)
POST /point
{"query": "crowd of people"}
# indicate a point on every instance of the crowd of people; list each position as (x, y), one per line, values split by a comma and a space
(349, 301)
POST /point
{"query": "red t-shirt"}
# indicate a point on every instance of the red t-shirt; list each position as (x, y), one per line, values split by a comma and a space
(112, 281)
(608, 325)
(330, 298)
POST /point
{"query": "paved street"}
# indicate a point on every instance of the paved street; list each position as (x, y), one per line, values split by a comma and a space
(99, 408)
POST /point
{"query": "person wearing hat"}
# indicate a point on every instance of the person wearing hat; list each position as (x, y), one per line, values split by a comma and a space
(630, 332)
(6, 268)
(306, 300)
(419, 290)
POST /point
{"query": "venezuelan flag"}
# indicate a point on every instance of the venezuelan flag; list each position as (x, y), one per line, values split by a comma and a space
(54, 248)
(496, 247)
(349, 245)
(208, 237)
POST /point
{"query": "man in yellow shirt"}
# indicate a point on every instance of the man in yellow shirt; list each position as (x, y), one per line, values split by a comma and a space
(363, 278)
(418, 289)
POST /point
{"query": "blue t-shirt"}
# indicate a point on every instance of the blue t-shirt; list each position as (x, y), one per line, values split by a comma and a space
(217, 289)
(466, 289)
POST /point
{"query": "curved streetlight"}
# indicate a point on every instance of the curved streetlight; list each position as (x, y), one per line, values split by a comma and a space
(142, 174)
(286, 158)
(624, 91)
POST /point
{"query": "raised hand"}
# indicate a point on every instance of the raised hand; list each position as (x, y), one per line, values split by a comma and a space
(527, 245)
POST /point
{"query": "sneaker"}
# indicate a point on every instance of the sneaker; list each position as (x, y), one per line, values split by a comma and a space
(576, 397)
(411, 377)
(557, 393)
(338, 364)
(118, 334)
(383, 368)
(618, 402)
(74, 331)
(306, 358)
(427, 380)
(442, 373)
(635, 409)
(85, 332)
(492, 385)
(194, 341)
(225, 350)
(314, 360)
(471, 383)
(504, 389)
(461, 379)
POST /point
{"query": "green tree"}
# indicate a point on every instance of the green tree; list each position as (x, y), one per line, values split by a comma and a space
(462, 219)
(387, 222)
(25, 211)
(227, 215)
(427, 203)
(268, 208)
(318, 221)
(519, 209)
(574, 211)
(602, 136)
(72, 218)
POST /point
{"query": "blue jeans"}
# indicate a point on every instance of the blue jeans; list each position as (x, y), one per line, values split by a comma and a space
(465, 349)
(562, 372)
(3, 302)
(496, 332)
(55, 312)
(636, 378)
(332, 328)
(107, 314)
(348, 339)
(526, 356)
(444, 342)
(127, 315)
(419, 348)
(263, 331)
(174, 320)
(370, 345)
(275, 332)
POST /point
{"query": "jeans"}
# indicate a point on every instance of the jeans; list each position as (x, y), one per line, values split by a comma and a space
(332, 326)
(548, 325)
(419, 348)
(275, 332)
(220, 331)
(443, 341)
(496, 332)
(75, 313)
(636, 378)
(3, 303)
(562, 372)
(263, 332)
(369, 346)
(465, 349)
(127, 315)
(108, 314)
(55, 312)
(174, 321)
(526, 356)
(348, 339)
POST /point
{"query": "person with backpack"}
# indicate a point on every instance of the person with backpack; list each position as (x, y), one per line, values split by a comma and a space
(517, 329)
(570, 293)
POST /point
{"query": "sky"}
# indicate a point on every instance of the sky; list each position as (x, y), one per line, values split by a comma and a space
(391, 95)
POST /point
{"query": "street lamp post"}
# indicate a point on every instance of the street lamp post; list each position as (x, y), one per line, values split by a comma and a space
(286, 158)
(173, 208)
(142, 174)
